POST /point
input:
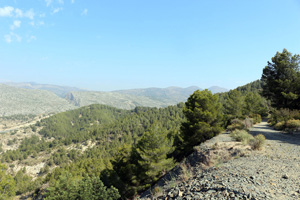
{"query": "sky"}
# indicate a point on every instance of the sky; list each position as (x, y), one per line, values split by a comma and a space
(123, 44)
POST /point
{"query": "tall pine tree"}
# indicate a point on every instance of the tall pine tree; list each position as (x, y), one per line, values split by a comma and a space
(153, 148)
(281, 79)
(203, 114)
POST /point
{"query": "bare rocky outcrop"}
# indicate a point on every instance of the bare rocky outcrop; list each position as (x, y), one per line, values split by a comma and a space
(20, 101)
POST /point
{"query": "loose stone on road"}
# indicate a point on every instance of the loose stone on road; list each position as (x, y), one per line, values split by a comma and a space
(273, 173)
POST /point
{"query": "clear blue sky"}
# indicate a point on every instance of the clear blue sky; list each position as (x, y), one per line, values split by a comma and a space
(109, 45)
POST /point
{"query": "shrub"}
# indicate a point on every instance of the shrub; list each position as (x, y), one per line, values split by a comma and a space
(256, 118)
(241, 136)
(293, 124)
(248, 123)
(257, 142)
(236, 124)
(284, 115)
(279, 126)
(295, 114)
(281, 115)
(11, 142)
(13, 132)
(271, 122)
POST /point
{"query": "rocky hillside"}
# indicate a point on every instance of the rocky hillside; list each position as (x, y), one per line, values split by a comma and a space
(169, 95)
(34, 98)
(129, 99)
(24, 101)
(123, 101)
(222, 169)
(60, 91)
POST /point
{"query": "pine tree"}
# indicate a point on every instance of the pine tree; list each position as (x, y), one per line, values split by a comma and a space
(153, 148)
(203, 116)
(281, 79)
(7, 184)
(255, 104)
(92, 188)
(234, 104)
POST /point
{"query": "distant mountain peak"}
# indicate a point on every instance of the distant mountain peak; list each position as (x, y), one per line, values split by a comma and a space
(217, 89)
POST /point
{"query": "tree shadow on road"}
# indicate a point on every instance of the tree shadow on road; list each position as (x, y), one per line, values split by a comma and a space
(271, 134)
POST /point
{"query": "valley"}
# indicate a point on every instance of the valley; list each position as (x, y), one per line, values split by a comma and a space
(39, 150)
(149, 100)
(38, 99)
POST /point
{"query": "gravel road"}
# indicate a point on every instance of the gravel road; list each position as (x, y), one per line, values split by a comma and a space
(273, 173)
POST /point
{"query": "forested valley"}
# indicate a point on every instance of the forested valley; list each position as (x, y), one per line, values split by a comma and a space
(101, 152)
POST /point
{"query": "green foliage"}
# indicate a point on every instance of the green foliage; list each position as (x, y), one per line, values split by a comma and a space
(87, 188)
(120, 168)
(283, 115)
(28, 146)
(152, 149)
(92, 188)
(256, 118)
(44, 170)
(203, 114)
(7, 184)
(279, 125)
(236, 124)
(255, 104)
(74, 124)
(125, 173)
(241, 136)
(254, 87)
(293, 124)
(282, 80)
(24, 182)
(33, 128)
(135, 168)
(289, 125)
(234, 104)
(18, 117)
(243, 102)
(11, 142)
(131, 171)
(257, 142)
(64, 188)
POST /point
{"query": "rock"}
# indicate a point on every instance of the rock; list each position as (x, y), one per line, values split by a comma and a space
(211, 191)
(176, 192)
(180, 193)
(170, 194)
(285, 176)
(253, 177)
(225, 193)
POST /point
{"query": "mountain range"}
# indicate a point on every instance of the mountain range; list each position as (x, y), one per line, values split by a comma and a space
(34, 98)
(14, 101)
(60, 91)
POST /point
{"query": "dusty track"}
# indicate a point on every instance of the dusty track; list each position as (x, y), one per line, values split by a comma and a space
(272, 173)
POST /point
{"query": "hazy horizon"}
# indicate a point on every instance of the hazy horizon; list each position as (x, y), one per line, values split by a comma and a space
(88, 89)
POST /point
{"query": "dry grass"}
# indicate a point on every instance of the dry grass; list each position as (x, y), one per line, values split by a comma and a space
(257, 142)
